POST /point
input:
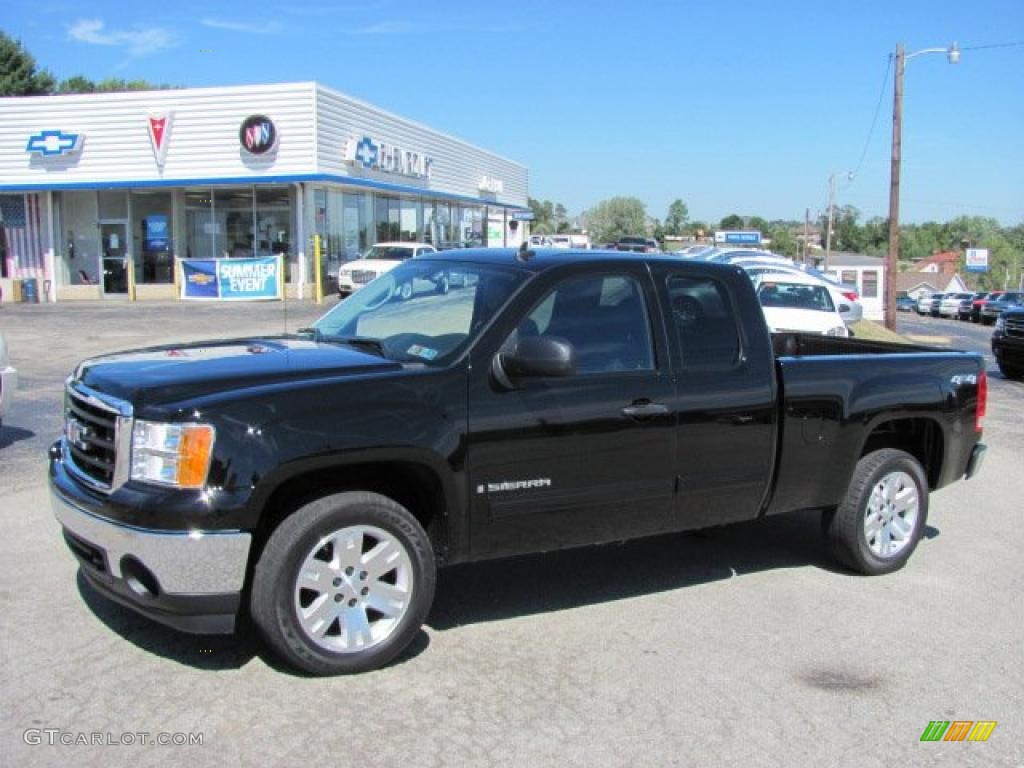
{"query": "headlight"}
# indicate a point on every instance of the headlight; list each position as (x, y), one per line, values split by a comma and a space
(1000, 323)
(839, 330)
(177, 455)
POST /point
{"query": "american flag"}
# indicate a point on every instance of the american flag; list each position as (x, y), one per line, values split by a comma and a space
(23, 236)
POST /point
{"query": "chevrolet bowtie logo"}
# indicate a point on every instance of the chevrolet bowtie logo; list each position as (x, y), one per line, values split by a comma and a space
(49, 143)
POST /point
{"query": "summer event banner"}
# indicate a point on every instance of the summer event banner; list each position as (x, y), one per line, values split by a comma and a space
(231, 279)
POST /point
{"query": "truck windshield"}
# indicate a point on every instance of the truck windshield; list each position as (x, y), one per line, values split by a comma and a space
(423, 310)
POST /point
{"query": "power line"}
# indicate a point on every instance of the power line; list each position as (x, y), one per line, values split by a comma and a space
(1019, 44)
(874, 119)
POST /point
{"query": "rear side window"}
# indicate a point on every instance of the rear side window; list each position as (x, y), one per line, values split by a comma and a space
(703, 322)
(605, 319)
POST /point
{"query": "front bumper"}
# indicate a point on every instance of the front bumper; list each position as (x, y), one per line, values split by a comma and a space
(191, 581)
(8, 384)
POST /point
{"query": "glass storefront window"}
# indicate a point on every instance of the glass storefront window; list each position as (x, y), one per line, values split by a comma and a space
(387, 218)
(471, 226)
(356, 223)
(409, 219)
(238, 222)
(153, 243)
(273, 221)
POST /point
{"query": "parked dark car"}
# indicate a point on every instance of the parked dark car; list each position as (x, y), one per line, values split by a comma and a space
(638, 245)
(549, 399)
(1008, 343)
(934, 303)
(905, 303)
(993, 309)
(979, 304)
(967, 305)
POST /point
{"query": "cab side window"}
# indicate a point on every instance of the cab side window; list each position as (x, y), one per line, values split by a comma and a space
(704, 322)
(605, 319)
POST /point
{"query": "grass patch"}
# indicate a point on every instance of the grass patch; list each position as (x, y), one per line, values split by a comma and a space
(868, 329)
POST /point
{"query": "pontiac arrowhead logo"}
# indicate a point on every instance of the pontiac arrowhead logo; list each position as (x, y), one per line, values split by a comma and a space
(160, 135)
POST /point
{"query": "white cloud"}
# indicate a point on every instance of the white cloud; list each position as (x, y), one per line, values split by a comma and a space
(268, 28)
(139, 40)
(386, 28)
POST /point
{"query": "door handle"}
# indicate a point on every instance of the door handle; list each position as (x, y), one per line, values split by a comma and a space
(644, 409)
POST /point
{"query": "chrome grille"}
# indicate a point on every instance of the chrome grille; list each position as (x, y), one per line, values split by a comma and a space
(363, 276)
(1015, 326)
(97, 437)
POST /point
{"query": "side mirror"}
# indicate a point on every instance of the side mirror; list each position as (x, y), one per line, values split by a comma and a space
(844, 307)
(535, 356)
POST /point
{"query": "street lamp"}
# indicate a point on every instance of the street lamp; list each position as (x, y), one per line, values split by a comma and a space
(953, 55)
(831, 211)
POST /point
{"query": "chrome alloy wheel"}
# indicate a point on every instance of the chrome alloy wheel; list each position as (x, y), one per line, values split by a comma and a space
(891, 514)
(353, 589)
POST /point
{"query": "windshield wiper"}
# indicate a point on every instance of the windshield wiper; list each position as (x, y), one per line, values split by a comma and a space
(368, 342)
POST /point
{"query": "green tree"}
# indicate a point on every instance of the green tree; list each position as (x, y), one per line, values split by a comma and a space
(617, 217)
(76, 84)
(18, 73)
(698, 228)
(678, 214)
(757, 224)
(732, 221)
(782, 240)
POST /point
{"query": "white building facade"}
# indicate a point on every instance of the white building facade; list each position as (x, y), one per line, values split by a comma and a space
(101, 193)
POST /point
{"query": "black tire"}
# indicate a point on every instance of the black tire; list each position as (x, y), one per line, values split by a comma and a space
(844, 527)
(443, 285)
(274, 580)
(1010, 371)
(405, 291)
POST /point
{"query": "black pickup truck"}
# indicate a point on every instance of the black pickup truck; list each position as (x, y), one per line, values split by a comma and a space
(548, 399)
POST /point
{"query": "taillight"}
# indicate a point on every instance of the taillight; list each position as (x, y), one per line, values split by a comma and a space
(979, 413)
(851, 295)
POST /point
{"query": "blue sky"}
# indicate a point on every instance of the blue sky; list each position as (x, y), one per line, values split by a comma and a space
(735, 107)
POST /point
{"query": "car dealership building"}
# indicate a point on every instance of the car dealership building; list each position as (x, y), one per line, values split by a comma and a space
(101, 194)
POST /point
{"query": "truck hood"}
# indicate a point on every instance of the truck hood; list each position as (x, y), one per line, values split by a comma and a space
(176, 372)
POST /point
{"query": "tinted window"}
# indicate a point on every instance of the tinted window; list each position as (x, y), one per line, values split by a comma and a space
(795, 296)
(704, 323)
(604, 317)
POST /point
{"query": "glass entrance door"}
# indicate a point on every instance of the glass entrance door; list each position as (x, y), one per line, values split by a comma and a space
(114, 257)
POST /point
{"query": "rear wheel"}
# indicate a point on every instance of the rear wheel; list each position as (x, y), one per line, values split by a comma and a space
(344, 584)
(405, 291)
(877, 527)
(1011, 371)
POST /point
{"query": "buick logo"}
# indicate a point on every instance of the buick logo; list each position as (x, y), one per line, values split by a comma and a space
(257, 134)
(76, 433)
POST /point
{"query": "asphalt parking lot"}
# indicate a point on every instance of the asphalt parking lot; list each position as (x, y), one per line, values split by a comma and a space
(740, 645)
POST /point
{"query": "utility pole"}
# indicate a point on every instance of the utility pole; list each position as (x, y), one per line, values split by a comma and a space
(891, 262)
(831, 212)
(828, 229)
(807, 234)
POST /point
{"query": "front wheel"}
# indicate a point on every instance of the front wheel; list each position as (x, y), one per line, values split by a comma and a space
(405, 291)
(344, 584)
(880, 522)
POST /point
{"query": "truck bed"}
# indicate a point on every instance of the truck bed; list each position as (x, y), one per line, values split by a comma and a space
(810, 344)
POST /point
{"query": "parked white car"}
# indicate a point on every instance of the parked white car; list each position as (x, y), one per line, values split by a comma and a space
(950, 304)
(795, 303)
(378, 259)
(845, 297)
(8, 380)
(924, 303)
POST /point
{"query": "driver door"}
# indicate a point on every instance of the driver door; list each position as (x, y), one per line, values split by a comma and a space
(587, 458)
